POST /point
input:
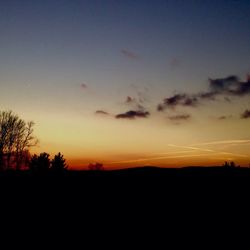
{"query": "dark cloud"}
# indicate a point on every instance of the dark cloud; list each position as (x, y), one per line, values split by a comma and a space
(178, 100)
(129, 54)
(246, 114)
(101, 112)
(132, 114)
(227, 87)
(220, 84)
(83, 86)
(179, 117)
(230, 85)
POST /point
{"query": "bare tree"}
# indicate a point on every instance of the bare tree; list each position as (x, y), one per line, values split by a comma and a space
(7, 121)
(24, 140)
(16, 137)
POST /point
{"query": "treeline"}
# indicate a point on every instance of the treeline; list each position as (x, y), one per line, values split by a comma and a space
(16, 139)
(42, 163)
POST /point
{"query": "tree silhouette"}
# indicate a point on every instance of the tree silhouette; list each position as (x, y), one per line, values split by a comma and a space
(16, 137)
(232, 164)
(226, 165)
(24, 141)
(58, 163)
(229, 165)
(40, 163)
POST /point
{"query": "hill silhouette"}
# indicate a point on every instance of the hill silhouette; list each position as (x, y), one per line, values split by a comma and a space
(147, 177)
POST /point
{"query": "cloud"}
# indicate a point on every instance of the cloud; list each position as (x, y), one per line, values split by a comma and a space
(225, 142)
(178, 100)
(158, 158)
(141, 93)
(207, 95)
(135, 103)
(206, 149)
(226, 87)
(221, 83)
(83, 86)
(101, 112)
(224, 117)
(230, 85)
(246, 114)
(129, 54)
(179, 117)
(130, 100)
(227, 99)
(174, 63)
(132, 114)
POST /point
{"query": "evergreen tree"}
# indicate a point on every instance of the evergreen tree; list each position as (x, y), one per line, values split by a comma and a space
(58, 163)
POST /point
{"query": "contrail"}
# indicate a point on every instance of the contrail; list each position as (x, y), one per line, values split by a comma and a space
(223, 142)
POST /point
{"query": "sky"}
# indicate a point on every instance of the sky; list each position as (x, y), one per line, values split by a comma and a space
(130, 83)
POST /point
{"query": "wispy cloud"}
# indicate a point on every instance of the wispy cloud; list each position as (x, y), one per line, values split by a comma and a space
(189, 152)
(132, 114)
(224, 142)
(208, 150)
(174, 152)
(177, 118)
(130, 55)
(83, 86)
(141, 93)
(101, 112)
(129, 100)
(157, 158)
(174, 63)
(190, 147)
(224, 117)
(134, 103)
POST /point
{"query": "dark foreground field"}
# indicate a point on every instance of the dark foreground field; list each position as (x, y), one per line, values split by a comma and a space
(145, 180)
(188, 189)
(180, 200)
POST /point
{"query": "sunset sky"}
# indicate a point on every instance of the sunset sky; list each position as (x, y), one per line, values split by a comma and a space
(130, 82)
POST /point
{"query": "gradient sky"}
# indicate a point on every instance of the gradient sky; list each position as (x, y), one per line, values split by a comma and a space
(61, 61)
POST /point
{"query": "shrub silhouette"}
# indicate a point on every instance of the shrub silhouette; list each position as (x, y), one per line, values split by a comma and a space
(58, 163)
(96, 166)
